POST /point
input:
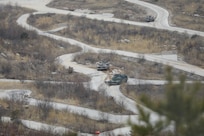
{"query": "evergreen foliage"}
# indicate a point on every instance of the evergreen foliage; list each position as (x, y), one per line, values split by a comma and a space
(182, 105)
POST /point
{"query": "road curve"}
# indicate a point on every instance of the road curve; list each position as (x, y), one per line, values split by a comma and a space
(161, 21)
(66, 60)
(87, 48)
(59, 130)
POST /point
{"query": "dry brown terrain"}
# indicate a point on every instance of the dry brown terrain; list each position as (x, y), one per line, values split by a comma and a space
(22, 57)
(134, 68)
(120, 8)
(45, 114)
(184, 13)
(25, 55)
(125, 37)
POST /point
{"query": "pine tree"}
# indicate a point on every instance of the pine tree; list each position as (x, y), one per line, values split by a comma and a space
(182, 105)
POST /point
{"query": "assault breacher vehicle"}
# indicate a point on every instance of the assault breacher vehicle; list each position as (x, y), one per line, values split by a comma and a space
(117, 79)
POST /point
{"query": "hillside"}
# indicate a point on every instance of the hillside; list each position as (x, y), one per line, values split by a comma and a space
(49, 81)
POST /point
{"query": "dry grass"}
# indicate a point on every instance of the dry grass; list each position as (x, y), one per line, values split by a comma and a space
(120, 8)
(76, 94)
(135, 68)
(143, 40)
(47, 22)
(76, 122)
(93, 101)
(3, 103)
(183, 11)
(135, 92)
(11, 85)
(111, 35)
(90, 4)
(21, 53)
(186, 21)
(59, 118)
(24, 57)
(136, 44)
(16, 129)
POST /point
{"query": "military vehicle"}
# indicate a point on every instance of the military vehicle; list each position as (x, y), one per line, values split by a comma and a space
(117, 79)
(149, 19)
(101, 65)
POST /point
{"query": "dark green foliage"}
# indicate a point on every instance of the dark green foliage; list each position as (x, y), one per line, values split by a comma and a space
(14, 114)
(5, 68)
(182, 104)
(146, 128)
(24, 35)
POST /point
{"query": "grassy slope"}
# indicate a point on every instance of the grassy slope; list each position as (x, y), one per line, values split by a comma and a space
(139, 39)
(24, 57)
(120, 8)
(19, 50)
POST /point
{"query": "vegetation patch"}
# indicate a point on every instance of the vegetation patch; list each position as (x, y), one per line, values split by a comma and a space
(134, 68)
(16, 129)
(131, 38)
(120, 8)
(46, 114)
(154, 92)
(25, 55)
(77, 94)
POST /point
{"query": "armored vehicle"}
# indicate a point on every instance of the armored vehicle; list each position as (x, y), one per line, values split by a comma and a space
(117, 79)
(149, 19)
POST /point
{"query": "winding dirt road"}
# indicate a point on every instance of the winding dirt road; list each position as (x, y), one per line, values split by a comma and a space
(161, 21)
(97, 77)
